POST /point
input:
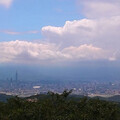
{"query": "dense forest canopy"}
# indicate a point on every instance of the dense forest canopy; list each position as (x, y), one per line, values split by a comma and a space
(58, 107)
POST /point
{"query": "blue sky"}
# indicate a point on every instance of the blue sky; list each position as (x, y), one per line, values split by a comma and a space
(59, 31)
(30, 15)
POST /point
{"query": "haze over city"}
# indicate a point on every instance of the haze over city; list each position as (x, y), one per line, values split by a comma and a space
(60, 41)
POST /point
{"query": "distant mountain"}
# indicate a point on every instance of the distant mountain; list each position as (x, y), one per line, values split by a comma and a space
(78, 97)
(3, 97)
(115, 98)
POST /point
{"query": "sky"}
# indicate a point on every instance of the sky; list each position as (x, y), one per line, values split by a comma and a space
(52, 32)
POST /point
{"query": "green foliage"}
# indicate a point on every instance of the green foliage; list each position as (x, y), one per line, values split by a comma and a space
(58, 107)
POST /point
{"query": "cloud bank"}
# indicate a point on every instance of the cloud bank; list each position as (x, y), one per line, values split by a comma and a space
(27, 52)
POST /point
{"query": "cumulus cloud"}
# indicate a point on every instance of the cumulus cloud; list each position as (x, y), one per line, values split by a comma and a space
(23, 51)
(72, 33)
(6, 3)
(29, 52)
(86, 52)
(104, 33)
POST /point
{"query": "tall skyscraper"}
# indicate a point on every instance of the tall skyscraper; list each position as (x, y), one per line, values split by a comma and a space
(16, 77)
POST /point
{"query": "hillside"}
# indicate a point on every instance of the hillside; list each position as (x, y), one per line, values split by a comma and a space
(115, 98)
(58, 107)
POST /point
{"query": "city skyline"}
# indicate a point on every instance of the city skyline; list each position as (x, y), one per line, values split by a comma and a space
(61, 41)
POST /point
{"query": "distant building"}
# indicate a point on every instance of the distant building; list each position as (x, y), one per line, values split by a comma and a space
(16, 80)
(16, 76)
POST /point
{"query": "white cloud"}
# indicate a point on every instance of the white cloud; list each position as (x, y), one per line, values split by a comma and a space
(6, 3)
(102, 32)
(72, 33)
(23, 51)
(29, 52)
(86, 52)
(99, 8)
